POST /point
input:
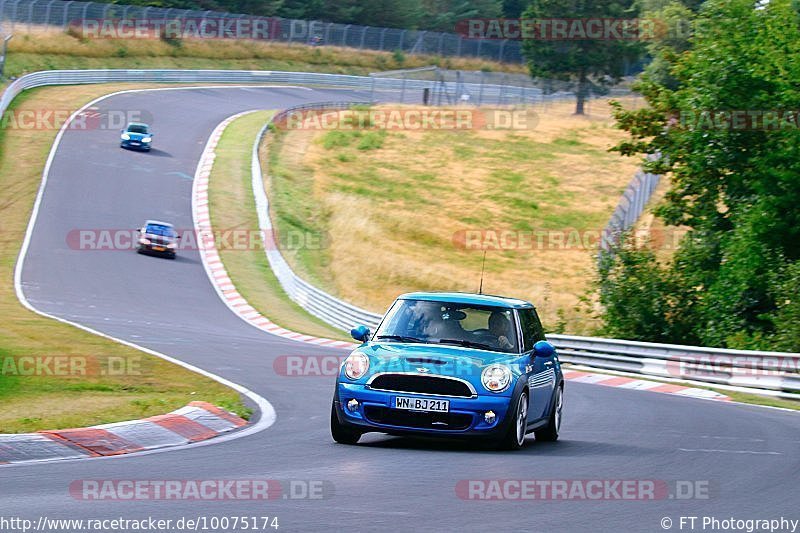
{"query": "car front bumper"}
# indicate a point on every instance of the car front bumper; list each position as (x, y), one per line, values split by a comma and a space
(152, 249)
(135, 145)
(376, 412)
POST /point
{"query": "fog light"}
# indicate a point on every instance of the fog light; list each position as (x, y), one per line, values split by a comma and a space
(352, 406)
(489, 417)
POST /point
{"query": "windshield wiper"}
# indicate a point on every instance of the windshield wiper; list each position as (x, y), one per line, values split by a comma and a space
(466, 343)
(399, 338)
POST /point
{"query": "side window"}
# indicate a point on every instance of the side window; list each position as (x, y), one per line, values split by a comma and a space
(531, 326)
(527, 323)
(538, 326)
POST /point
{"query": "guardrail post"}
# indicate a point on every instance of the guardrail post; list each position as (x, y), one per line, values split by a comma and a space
(327, 32)
(3, 58)
(14, 16)
(65, 22)
(30, 14)
(363, 36)
(46, 12)
(383, 36)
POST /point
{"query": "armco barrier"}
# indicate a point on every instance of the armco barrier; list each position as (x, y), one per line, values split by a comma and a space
(746, 368)
(497, 94)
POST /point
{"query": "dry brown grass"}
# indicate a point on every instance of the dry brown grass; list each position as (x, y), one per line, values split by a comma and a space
(57, 45)
(392, 212)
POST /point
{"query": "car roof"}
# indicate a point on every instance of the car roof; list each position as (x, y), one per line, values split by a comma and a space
(157, 223)
(467, 298)
(138, 124)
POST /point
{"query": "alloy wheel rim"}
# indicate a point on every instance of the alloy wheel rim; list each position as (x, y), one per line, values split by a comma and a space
(559, 406)
(522, 415)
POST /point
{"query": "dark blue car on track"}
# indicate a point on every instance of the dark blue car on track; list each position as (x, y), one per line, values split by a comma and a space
(137, 136)
(451, 364)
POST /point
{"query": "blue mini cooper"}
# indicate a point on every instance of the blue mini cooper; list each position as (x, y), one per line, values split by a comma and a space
(451, 364)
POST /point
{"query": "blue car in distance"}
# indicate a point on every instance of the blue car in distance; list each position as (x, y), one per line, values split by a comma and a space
(137, 136)
(454, 365)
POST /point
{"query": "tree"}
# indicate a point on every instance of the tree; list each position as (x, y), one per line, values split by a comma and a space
(513, 8)
(444, 15)
(586, 65)
(391, 13)
(734, 184)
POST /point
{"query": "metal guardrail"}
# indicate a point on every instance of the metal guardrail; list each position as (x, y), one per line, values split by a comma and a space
(629, 209)
(330, 309)
(497, 94)
(740, 368)
(21, 14)
(763, 370)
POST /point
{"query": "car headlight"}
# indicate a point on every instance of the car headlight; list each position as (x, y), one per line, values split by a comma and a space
(171, 245)
(356, 365)
(125, 137)
(144, 241)
(147, 139)
(496, 378)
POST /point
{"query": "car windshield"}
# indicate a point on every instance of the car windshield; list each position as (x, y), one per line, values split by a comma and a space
(473, 326)
(160, 230)
(137, 128)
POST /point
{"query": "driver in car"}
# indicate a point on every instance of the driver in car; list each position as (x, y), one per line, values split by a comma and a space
(500, 327)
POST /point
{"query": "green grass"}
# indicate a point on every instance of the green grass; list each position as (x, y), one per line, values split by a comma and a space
(151, 386)
(232, 206)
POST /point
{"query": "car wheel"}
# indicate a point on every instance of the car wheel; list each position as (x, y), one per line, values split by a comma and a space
(549, 433)
(341, 434)
(514, 438)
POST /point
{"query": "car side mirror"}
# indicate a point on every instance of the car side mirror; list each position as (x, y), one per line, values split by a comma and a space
(360, 333)
(543, 349)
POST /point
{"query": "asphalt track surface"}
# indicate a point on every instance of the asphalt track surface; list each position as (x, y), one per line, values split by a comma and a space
(749, 456)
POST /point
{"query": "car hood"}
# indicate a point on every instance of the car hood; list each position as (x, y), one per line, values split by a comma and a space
(137, 136)
(433, 358)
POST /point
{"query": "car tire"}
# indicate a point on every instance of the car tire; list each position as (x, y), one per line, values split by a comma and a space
(549, 433)
(341, 434)
(514, 438)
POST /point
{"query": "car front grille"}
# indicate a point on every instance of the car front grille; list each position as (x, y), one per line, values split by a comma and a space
(419, 384)
(417, 419)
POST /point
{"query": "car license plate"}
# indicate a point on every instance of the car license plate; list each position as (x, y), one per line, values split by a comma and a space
(422, 404)
(159, 248)
(134, 143)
